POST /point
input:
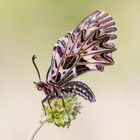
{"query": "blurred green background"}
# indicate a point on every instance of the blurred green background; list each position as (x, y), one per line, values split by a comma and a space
(33, 27)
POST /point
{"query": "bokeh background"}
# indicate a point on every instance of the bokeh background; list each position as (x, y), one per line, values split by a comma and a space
(33, 27)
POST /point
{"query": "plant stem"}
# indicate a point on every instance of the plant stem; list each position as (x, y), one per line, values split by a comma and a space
(37, 127)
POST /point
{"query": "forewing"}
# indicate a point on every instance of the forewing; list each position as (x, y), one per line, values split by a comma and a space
(88, 47)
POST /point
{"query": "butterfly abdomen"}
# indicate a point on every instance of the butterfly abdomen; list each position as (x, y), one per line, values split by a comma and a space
(74, 88)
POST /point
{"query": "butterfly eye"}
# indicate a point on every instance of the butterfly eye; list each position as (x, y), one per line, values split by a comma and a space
(39, 88)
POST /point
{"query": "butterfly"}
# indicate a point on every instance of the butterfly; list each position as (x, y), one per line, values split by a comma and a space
(88, 47)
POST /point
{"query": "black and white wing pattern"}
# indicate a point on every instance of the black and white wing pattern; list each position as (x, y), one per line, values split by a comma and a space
(89, 47)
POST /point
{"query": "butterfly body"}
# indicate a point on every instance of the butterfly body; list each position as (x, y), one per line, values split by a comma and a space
(87, 48)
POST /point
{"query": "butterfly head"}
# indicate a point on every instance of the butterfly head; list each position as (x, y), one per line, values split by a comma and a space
(45, 87)
(40, 85)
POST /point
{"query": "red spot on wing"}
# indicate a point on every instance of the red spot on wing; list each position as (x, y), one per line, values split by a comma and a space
(95, 47)
(52, 71)
(78, 45)
(59, 51)
(89, 42)
(97, 57)
(100, 67)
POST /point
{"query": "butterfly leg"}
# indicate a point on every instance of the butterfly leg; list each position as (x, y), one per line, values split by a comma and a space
(51, 108)
(42, 102)
(61, 95)
(65, 107)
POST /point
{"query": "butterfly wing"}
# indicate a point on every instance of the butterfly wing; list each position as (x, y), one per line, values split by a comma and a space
(88, 47)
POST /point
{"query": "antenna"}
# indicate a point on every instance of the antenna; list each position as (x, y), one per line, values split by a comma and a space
(33, 60)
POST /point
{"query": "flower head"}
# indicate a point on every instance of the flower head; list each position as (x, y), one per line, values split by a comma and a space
(62, 112)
